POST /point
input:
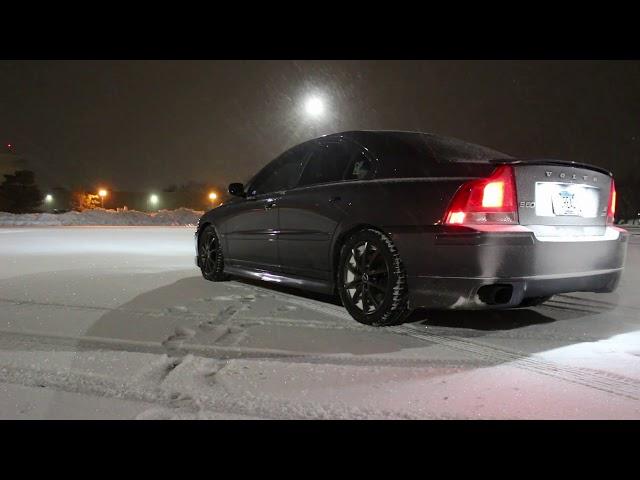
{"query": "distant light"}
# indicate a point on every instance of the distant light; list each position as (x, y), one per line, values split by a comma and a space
(314, 106)
(213, 196)
(103, 193)
(48, 198)
(153, 199)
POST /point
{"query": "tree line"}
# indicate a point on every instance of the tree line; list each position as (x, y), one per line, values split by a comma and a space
(19, 193)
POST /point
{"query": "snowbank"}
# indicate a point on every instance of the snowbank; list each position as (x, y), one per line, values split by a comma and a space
(99, 216)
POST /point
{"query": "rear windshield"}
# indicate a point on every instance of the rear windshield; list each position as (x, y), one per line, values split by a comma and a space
(409, 155)
(453, 150)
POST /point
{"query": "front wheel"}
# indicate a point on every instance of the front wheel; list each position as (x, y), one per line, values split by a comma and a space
(210, 255)
(371, 279)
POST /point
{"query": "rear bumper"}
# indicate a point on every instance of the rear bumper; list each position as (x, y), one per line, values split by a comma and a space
(446, 269)
(463, 293)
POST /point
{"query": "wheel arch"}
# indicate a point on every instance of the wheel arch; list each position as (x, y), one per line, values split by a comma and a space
(342, 237)
(393, 307)
(202, 227)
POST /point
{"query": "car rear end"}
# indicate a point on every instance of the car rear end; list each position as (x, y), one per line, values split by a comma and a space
(529, 229)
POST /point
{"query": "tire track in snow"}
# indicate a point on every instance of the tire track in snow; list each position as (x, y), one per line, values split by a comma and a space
(345, 323)
(87, 384)
(190, 315)
(599, 306)
(175, 347)
(315, 305)
(194, 400)
(34, 340)
(486, 355)
(596, 379)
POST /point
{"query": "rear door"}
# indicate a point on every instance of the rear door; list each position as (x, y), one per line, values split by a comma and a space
(310, 213)
(561, 199)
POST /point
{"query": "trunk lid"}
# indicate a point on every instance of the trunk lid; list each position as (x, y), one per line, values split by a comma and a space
(562, 198)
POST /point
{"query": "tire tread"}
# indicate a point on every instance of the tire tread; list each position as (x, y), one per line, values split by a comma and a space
(398, 310)
(218, 274)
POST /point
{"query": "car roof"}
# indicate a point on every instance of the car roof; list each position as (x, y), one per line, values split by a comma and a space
(440, 146)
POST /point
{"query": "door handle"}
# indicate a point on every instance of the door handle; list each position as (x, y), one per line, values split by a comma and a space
(335, 199)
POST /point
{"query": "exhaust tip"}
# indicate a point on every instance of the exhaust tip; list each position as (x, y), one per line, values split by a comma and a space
(498, 294)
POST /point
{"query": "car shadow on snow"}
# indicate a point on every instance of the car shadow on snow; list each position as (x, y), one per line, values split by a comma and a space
(488, 320)
(461, 319)
(235, 319)
(562, 311)
(242, 315)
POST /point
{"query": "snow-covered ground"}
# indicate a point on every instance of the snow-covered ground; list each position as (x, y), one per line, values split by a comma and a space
(111, 322)
(99, 216)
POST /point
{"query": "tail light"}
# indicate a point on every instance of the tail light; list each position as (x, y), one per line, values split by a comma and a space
(611, 210)
(489, 200)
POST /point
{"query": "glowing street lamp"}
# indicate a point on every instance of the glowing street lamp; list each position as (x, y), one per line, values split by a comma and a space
(102, 193)
(48, 198)
(153, 200)
(213, 196)
(314, 107)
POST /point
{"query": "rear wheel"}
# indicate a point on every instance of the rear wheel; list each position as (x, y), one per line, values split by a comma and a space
(371, 279)
(210, 256)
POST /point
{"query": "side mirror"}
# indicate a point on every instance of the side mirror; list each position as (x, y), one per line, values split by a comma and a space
(237, 190)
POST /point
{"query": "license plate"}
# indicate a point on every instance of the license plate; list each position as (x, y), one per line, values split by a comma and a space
(565, 200)
(565, 203)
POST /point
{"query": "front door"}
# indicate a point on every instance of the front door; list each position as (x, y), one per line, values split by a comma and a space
(251, 229)
(251, 233)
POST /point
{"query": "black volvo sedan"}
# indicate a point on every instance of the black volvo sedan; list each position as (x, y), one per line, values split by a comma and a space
(395, 221)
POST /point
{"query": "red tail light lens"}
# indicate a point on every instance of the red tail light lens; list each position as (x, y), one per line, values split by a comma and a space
(611, 210)
(485, 201)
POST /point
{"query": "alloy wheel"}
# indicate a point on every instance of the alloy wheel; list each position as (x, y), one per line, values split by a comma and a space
(209, 254)
(366, 277)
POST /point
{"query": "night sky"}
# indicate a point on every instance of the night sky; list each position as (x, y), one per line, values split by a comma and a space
(135, 125)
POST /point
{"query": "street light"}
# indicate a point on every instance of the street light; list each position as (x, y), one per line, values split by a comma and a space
(212, 198)
(153, 200)
(102, 193)
(314, 106)
(48, 198)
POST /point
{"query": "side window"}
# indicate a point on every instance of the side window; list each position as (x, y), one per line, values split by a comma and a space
(332, 162)
(360, 168)
(281, 174)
